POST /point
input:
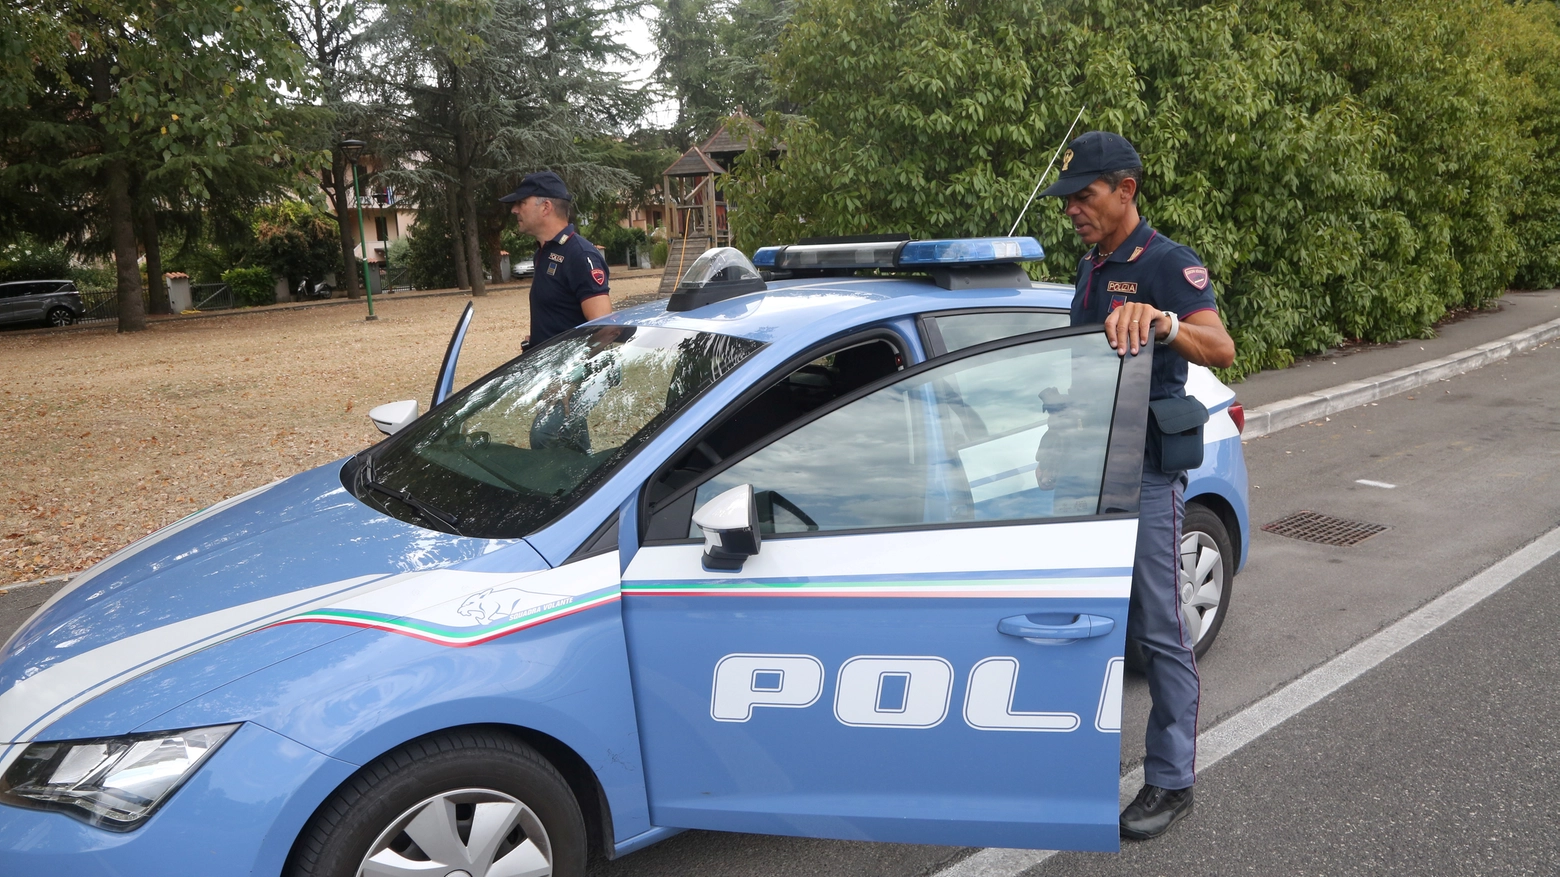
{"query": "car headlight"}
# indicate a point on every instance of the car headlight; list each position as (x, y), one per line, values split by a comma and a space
(114, 782)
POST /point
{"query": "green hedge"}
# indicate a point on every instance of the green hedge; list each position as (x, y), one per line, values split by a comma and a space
(1346, 170)
(29, 259)
(252, 287)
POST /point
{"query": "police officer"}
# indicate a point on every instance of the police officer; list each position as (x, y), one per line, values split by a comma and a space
(570, 284)
(1141, 284)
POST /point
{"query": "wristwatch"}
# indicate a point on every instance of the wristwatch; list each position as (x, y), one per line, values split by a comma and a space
(1175, 325)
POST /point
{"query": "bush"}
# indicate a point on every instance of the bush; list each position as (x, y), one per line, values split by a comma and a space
(252, 287)
(614, 240)
(658, 253)
(30, 259)
(294, 240)
(97, 277)
(429, 261)
(1346, 170)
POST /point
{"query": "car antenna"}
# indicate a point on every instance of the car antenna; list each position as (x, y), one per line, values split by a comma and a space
(1047, 170)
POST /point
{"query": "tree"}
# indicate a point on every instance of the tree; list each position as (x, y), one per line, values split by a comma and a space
(479, 93)
(714, 60)
(150, 96)
(330, 35)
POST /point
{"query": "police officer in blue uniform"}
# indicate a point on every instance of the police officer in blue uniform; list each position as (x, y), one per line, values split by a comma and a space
(570, 284)
(1143, 285)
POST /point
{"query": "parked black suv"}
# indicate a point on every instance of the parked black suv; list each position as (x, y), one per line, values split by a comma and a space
(50, 302)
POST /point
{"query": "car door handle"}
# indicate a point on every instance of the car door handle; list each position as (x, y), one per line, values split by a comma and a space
(1052, 628)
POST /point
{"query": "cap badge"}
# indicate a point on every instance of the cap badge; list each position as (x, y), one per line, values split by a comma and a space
(1197, 276)
(1067, 158)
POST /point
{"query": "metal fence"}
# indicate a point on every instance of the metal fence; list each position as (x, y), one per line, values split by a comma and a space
(102, 305)
(397, 279)
(211, 296)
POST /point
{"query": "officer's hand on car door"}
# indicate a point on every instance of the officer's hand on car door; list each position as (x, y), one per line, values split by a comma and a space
(1129, 327)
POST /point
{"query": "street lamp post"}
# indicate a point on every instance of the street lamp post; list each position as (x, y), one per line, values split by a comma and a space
(350, 149)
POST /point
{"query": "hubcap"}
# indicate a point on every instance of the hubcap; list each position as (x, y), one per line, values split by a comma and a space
(464, 833)
(1202, 582)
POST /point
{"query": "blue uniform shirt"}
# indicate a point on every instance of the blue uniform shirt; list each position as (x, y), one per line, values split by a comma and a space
(569, 269)
(1147, 267)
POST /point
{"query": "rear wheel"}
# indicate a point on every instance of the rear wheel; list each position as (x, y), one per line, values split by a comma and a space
(1207, 575)
(477, 803)
(1205, 583)
(60, 317)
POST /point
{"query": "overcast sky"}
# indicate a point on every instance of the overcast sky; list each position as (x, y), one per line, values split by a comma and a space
(635, 33)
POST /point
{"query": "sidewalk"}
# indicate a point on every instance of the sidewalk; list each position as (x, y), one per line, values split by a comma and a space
(1518, 311)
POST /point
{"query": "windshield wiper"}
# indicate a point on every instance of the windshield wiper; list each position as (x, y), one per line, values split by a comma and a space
(424, 509)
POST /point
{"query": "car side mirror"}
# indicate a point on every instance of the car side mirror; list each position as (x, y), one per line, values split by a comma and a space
(391, 417)
(730, 525)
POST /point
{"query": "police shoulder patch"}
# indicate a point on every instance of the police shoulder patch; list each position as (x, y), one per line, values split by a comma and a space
(598, 275)
(1127, 286)
(1196, 275)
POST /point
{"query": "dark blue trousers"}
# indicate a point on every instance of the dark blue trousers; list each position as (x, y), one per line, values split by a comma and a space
(1154, 623)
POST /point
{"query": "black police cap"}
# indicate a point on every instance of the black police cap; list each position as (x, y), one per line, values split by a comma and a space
(542, 184)
(1090, 157)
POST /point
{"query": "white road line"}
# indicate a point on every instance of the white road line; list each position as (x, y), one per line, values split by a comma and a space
(1266, 714)
(1369, 483)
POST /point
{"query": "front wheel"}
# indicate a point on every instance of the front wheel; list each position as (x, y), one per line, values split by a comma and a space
(474, 802)
(1207, 575)
(59, 317)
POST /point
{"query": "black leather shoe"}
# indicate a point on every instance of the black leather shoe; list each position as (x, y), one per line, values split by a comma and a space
(1153, 811)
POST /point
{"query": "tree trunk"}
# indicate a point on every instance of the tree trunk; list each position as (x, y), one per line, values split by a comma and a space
(468, 205)
(121, 217)
(344, 218)
(457, 237)
(158, 289)
(121, 224)
(491, 237)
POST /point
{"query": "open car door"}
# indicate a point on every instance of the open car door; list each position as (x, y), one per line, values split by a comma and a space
(923, 640)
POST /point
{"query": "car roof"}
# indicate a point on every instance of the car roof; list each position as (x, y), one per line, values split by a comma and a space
(826, 305)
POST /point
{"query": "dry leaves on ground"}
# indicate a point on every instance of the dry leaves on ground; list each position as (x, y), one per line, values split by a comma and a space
(107, 437)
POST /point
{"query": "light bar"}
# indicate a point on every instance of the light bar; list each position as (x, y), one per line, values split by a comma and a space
(971, 251)
(900, 254)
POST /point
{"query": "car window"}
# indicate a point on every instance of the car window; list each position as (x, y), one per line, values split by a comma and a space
(507, 455)
(1013, 434)
(959, 331)
(18, 289)
(792, 397)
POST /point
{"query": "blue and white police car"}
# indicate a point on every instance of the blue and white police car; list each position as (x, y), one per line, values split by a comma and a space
(804, 552)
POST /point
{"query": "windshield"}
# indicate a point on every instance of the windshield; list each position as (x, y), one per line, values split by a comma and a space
(507, 455)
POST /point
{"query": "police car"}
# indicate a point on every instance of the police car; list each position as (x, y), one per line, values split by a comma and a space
(801, 551)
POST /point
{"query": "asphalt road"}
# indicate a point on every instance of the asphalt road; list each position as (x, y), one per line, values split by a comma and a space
(1442, 760)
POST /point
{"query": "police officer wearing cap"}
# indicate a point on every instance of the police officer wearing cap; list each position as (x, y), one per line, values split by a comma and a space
(1143, 285)
(570, 283)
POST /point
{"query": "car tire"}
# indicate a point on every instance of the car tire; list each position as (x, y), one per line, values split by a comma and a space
(1207, 575)
(437, 791)
(59, 317)
(1204, 592)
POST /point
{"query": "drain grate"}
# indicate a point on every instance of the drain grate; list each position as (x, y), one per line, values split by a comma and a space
(1323, 529)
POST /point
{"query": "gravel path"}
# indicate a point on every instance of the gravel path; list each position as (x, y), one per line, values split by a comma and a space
(107, 437)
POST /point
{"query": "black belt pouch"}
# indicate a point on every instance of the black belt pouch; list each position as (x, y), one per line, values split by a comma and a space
(1175, 429)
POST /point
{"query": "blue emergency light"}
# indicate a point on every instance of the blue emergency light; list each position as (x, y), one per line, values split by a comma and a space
(902, 254)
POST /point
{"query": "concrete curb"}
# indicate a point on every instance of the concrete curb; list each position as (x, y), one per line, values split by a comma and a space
(1313, 406)
(51, 580)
